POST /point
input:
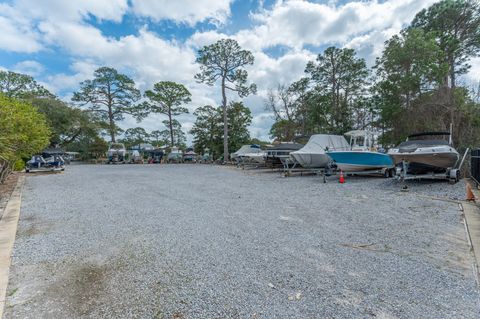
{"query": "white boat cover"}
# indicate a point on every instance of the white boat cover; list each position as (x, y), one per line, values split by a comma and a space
(319, 142)
(246, 149)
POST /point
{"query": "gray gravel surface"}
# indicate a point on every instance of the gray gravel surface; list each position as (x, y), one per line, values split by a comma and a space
(200, 241)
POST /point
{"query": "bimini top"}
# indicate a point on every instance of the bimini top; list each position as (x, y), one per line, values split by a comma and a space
(358, 133)
(319, 143)
(429, 134)
(286, 146)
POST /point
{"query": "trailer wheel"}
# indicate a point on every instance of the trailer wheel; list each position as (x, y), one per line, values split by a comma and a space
(386, 173)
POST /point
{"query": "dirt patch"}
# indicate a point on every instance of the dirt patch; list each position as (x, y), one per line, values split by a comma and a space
(6, 189)
(82, 288)
(31, 230)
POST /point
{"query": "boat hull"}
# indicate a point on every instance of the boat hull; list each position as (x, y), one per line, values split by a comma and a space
(427, 162)
(258, 158)
(358, 161)
(311, 160)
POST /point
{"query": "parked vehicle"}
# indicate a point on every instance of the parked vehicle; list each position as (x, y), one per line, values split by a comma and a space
(155, 156)
(136, 157)
(190, 156)
(279, 154)
(245, 149)
(362, 155)
(425, 155)
(175, 155)
(116, 153)
(38, 163)
(313, 154)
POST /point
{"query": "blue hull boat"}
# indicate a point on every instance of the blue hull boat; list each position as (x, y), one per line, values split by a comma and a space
(358, 161)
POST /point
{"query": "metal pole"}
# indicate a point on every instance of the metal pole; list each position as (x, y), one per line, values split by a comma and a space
(463, 159)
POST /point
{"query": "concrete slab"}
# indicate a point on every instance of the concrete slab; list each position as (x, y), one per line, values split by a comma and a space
(8, 229)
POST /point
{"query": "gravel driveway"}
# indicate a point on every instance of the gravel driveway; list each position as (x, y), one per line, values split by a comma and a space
(200, 241)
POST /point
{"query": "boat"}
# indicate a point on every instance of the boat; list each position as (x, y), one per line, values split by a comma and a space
(245, 149)
(279, 155)
(45, 162)
(425, 155)
(190, 156)
(175, 155)
(155, 156)
(257, 158)
(116, 153)
(313, 154)
(362, 155)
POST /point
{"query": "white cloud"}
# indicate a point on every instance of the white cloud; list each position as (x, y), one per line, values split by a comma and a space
(474, 75)
(297, 23)
(184, 11)
(61, 10)
(29, 67)
(17, 33)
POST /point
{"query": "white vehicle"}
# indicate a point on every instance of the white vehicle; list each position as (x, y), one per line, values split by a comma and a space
(116, 153)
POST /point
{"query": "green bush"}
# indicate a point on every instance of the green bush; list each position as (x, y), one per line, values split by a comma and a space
(24, 132)
(19, 165)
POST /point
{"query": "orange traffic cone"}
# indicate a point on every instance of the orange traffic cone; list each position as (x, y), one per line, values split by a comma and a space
(342, 178)
(470, 195)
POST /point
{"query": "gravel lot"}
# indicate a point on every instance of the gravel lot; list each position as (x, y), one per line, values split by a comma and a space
(200, 241)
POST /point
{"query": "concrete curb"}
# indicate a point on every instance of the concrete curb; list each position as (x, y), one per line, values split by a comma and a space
(471, 213)
(8, 230)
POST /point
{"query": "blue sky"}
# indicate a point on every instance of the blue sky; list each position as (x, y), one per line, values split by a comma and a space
(61, 42)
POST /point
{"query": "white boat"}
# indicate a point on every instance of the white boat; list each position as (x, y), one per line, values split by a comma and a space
(245, 149)
(313, 154)
(425, 155)
(116, 153)
(258, 158)
(362, 156)
(175, 155)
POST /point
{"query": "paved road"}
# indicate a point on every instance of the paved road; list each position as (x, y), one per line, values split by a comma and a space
(198, 241)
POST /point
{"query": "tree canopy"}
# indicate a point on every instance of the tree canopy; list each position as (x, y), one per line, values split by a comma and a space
(17, 85)
(167, 98)
(110, 95)
(208, 128)
(24, 132)
(224, 62)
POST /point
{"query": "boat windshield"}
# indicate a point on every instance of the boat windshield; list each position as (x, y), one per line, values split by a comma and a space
(414, 144)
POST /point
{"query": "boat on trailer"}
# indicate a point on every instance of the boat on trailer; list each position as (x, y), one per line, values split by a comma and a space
(362, 155)
(426, 155)
(313, 154)
(240, 154)
(279, 154)
(426, 158)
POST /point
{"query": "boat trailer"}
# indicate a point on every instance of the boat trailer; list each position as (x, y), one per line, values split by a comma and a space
(290, 167)
(452, 174)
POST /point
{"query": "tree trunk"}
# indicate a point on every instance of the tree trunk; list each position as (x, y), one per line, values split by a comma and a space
(111, 124)
(452, 93)
(225, 121)
(110, 115)
(171, 127)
